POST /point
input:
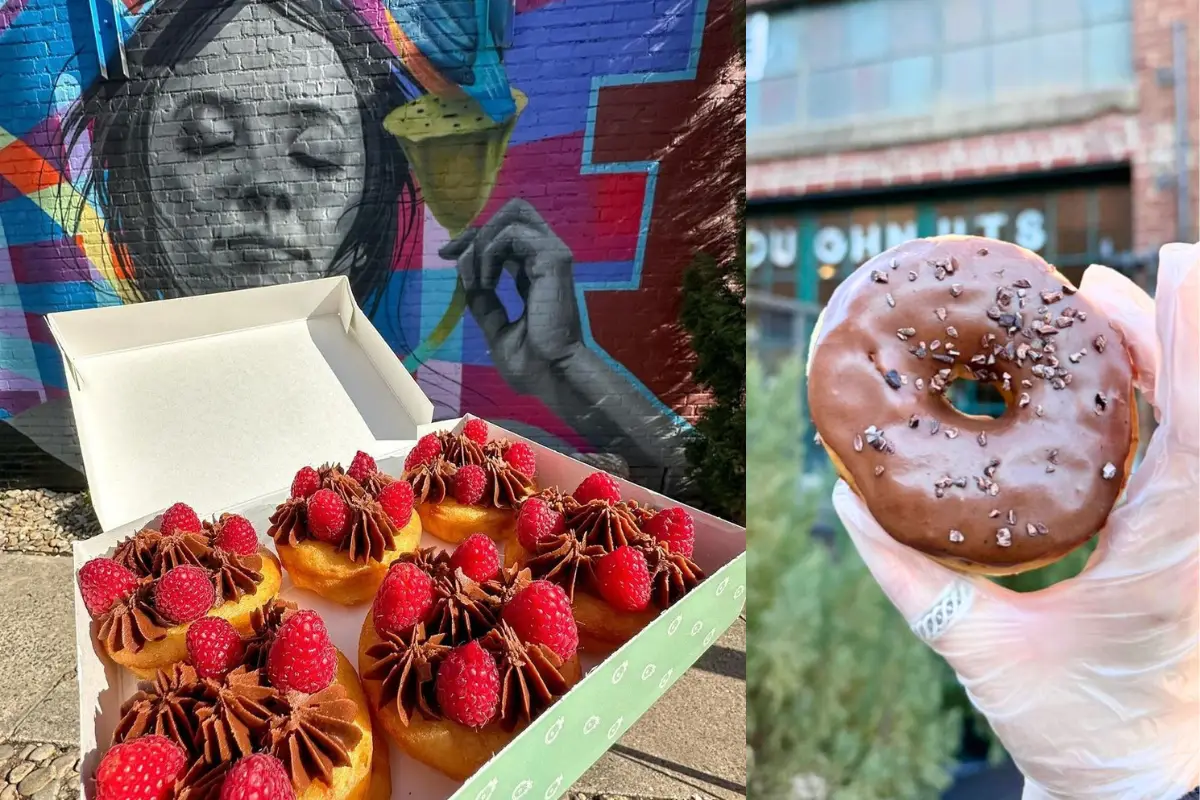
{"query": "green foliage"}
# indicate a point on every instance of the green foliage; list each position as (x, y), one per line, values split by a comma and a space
(840, 694)
(714, 314)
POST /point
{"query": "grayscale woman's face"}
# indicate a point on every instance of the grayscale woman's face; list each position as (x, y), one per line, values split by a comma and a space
(256, 156)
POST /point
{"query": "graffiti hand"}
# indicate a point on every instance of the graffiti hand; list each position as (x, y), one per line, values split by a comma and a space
(548, 330)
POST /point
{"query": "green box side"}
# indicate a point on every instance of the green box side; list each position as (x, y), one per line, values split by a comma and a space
(552, 753)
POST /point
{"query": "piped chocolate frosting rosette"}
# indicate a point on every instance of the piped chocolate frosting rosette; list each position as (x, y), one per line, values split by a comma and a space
(339, 530)
(464, 484)
(458, 654)
(161, 580)
(620, 562)
(280, 698)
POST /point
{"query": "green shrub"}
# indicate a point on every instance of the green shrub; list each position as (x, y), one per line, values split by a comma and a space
(843, 701)
(714, 314)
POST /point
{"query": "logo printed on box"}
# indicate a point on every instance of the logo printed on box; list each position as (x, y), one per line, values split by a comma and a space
(616, 727)
(555, 729)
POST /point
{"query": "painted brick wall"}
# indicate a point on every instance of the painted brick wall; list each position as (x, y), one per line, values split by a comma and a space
(254, 142)
(1143, 138)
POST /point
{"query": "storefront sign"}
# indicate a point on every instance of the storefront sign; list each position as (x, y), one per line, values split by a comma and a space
(836, 245)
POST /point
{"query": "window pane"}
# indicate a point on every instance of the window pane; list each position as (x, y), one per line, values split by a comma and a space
(753, 91)
(965, 78)
(866, 25)
(1011, 18)
(1072, 228)
(783, 45)
(1059, 15)
(1110, 58)
(912, 27)
(1060, 61)
(1012, 68)
(870, 89)
(822, 37)
(1116, 220)
(1106, 10)
(963, 21)
(778, 104)
(912, 85)
(830, 95)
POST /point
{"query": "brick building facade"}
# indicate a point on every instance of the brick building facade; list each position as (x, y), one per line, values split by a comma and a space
(1055, 125)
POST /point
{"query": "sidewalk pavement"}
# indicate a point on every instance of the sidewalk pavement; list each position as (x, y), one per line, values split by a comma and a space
(691, 744)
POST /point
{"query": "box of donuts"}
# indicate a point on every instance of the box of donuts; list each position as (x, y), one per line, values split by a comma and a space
(306, 588)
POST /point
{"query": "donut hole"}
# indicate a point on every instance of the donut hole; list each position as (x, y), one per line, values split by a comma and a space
(976, 399)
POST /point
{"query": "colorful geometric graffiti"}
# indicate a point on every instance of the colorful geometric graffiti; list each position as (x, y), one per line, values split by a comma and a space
(494, 207)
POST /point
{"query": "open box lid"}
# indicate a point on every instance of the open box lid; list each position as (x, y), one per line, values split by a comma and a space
(227, 394)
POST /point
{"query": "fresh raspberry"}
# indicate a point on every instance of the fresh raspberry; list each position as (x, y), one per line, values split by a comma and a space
(468, 685)
(328, 516)
(261, 776)
(624, 579)
(302, 658)
(306, 482)
(404, 599)
(476, 430)
(536, 522)
(179, 518)
(237, 535)
(541, 614)
(521, 458)
(362, 467)
(469, 483)
(477, 557)
(428, 448)
(397, 501)
(598, 486)
(184, 594)
(214, 646)
(103, 582)
(675, 528)
(145, 768)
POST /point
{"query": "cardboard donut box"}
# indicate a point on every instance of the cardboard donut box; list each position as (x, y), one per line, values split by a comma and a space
(217, 400)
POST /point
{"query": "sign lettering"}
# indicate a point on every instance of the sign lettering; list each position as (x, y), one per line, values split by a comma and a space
(836, 245)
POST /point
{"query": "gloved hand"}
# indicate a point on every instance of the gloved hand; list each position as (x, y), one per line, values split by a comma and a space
(1093, 685)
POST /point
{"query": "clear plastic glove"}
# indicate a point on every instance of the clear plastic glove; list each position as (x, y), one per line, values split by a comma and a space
(1093, 685)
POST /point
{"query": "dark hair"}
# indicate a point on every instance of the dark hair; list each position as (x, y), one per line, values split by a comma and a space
(116, 113)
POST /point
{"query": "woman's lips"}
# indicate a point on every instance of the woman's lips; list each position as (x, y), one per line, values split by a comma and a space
(263, 247)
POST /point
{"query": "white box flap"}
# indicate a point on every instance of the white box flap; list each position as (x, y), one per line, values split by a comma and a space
(214, 400)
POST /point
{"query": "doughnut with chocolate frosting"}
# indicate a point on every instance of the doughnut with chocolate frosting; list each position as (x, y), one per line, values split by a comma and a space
(988, 495)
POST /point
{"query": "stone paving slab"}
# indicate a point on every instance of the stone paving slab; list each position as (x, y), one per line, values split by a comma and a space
(37, 640)
(691, 744)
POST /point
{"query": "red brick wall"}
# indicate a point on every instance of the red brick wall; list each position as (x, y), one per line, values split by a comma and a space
(1154, 210)
(1108, 139)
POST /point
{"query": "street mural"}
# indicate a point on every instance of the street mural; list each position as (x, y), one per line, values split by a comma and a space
(487, 176)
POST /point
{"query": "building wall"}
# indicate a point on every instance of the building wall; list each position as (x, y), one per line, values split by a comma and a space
(1155, 159)
(242, 147)
(1138, 130)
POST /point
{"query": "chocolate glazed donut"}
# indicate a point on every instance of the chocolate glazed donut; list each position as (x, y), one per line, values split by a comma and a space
(993, 496)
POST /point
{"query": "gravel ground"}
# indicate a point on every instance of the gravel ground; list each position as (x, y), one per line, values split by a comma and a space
(45, 522)
(38, 771)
